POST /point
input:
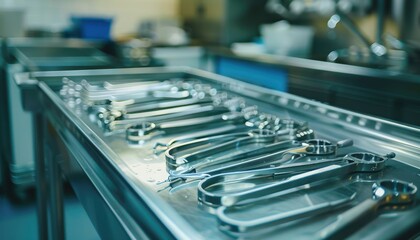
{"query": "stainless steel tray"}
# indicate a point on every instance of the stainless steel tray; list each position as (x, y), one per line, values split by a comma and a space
(126, 177)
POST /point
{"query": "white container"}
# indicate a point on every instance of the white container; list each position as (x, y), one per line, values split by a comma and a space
(281, 38)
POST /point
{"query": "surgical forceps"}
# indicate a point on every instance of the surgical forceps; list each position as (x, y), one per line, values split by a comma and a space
(351, 163)
(265, 157)
(385, 193)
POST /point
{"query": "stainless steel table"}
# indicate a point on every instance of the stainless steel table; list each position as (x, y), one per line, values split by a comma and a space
(117, 183)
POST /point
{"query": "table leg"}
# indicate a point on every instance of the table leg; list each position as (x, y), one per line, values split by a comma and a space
(40, 179)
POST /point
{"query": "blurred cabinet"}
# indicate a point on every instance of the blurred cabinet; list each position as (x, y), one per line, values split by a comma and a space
(368, 91)
(387, 98)
(223, 21)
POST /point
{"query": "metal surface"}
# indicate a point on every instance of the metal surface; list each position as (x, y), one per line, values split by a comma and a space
(60, 57)
(391, 193)
(50, 54)
(21, 162)
(385, 93)
(229, 223)
(25, 155)
(40, 176)
(126, 177)
(25, 54)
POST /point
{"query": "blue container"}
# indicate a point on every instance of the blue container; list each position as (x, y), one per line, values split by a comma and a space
(92, 27)
(260, 74)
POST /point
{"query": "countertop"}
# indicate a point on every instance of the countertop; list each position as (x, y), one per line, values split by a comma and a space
(384, 93)
(412, 74)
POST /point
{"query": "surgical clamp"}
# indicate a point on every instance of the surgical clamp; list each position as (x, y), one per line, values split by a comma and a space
(354, 162)
(269, 155)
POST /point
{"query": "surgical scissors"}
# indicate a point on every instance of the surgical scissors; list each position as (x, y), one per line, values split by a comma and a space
(392, 193)
(351, 163)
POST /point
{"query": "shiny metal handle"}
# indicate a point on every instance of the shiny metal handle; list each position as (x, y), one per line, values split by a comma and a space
(155, 105)
(255, 157)
(132, 118)
(206, 133)
(222, 147)
(220, 118)
(172, 151)
(345, 143)
(162, 112)
(351, 220)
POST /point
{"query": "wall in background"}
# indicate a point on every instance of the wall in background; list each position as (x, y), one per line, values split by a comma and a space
(55, 14)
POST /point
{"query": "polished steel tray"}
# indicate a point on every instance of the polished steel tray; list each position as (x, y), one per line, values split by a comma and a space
(126, 177)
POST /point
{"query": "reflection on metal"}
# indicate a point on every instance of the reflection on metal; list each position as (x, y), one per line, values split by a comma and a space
(372, 54)
(392, 193)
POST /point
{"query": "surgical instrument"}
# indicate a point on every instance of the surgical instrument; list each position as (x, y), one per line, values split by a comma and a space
(293, 129)
(226, 128)
(138, 105)
(253, 136)
(111, 124)
(265, 157)
(351, 163)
